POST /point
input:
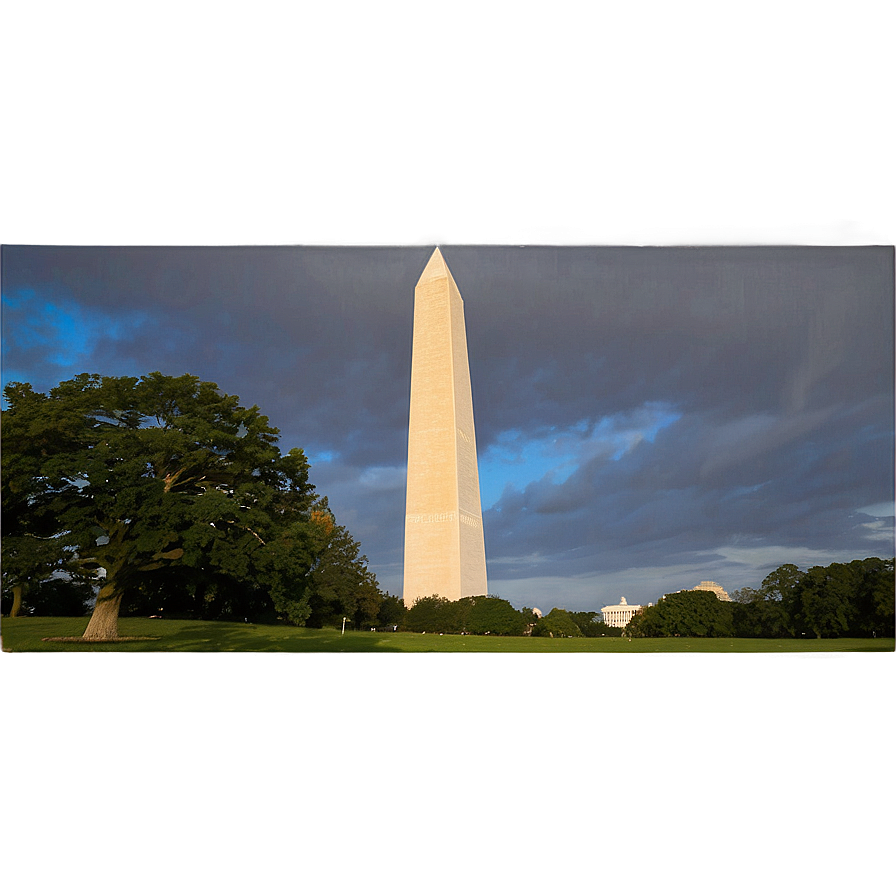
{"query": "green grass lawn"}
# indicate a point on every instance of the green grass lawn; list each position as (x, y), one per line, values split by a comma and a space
(26, 634)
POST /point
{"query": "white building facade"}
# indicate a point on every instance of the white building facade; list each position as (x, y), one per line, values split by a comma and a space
(716, 589)
(618, 615)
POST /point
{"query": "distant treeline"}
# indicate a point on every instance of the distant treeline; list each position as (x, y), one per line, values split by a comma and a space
(853, 599)
(490, 615)
(841, 600)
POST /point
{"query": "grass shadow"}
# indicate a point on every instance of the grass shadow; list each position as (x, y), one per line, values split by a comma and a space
(197, 636)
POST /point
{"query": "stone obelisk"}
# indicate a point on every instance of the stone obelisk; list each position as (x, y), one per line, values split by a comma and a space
(444, 547)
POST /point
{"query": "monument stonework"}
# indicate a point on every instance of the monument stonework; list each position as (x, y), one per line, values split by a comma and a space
(444, 545)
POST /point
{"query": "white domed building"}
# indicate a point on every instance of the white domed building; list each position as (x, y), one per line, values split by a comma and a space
(618, 615)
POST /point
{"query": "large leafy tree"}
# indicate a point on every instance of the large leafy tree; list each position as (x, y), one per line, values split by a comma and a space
(693, 613)
(824, 600)
(591, 624)
(479, 615)
(782, 584)
(490, 614)
(131, 475)
(873, 596)
(392, 610)
(854, 598)
(339, 583)
(759, 617)
(438, 614)
(558, 623)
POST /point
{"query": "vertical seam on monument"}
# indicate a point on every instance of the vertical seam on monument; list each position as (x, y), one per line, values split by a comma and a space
(451, 325)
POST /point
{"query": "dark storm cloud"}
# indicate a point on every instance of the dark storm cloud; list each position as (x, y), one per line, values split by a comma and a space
(421, 122)
(581, 332)
(635, 407)
(680, 491)
(319, 339)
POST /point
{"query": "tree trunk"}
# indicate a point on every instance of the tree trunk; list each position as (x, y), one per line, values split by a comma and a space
(103, 625)
(17, 591)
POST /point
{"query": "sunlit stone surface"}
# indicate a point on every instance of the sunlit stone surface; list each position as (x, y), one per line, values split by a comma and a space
(444, 546)
(717, 589)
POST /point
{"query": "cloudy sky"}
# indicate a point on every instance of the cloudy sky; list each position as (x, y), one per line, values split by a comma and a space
(671, 225)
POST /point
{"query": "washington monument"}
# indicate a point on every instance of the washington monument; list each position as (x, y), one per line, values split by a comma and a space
(444, 547)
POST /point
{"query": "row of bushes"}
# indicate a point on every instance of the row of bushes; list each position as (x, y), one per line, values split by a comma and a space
(490, 615)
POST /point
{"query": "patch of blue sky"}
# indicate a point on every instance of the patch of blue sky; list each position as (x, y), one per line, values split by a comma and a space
(516, 459)
(66, 331)
(13, 375)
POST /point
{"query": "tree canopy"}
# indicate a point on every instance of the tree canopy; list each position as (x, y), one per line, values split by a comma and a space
(479, 615)
(339, 583)
(694, 613)
(557, 624)
(132, 479)
(854, 599)
(591, 624)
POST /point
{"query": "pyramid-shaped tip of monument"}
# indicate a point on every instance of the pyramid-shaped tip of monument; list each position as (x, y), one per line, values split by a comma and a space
(435, 267)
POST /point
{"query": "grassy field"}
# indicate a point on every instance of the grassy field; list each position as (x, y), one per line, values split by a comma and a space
(27, 634)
